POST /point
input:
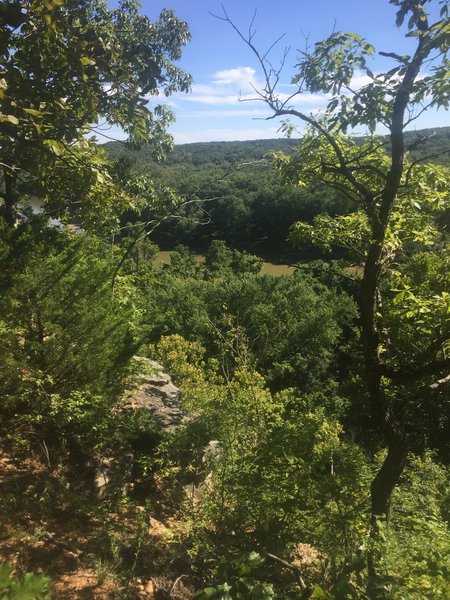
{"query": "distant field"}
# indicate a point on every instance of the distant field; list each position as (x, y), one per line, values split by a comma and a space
(163, 258)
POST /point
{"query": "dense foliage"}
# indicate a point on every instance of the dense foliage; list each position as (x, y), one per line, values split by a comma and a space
(311, 458)
(67, 66)
(245, 203)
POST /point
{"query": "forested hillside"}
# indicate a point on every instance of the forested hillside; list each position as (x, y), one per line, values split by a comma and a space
(247, 204)
(226, 153)
(200, 430)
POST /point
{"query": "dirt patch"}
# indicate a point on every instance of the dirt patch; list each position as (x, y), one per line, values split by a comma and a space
(83, 585)
(90, 549)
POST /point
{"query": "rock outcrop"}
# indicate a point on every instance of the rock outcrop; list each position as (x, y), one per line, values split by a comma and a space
(155, 392)
(152, 391)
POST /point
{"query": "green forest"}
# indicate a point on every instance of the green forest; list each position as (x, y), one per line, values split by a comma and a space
(259, 220)
(199, 429)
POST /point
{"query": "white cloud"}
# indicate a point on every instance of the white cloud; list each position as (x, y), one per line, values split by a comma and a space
(359, 80)
(225, 87)
(240, 77)
(216, 99)
(233, 86)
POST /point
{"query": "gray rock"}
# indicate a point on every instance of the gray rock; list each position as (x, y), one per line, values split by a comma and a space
(154, 391)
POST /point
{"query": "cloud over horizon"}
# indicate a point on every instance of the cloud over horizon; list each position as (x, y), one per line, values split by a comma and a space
(239, 85)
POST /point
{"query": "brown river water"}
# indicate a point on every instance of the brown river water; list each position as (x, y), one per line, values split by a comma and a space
(163, 258)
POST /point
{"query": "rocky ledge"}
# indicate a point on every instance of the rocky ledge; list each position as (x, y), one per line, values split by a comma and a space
(154, 391)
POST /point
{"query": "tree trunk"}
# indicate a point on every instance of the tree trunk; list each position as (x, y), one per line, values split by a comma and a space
(387, 478)
(389, 425)
(381, 493)
(9, 198)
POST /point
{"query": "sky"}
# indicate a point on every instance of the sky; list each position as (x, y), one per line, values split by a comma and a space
(224, 70)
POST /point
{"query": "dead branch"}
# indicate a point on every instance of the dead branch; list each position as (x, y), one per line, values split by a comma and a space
(297, 570)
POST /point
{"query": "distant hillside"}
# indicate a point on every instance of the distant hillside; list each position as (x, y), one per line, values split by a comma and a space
(246, 204)
(199, 153)
(436, 145)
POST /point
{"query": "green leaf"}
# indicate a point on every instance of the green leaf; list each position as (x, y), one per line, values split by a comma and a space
(51, 4)
(85, 60)
(219, 592)
(33, 112)
(56, 147)
(31, 587)
(320, 594)
(9, 119)
(5, 576)
(255, 559)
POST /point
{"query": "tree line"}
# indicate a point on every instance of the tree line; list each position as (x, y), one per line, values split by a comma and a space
(242, 199)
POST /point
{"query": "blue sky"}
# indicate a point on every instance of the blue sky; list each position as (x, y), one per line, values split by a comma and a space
(224, 69)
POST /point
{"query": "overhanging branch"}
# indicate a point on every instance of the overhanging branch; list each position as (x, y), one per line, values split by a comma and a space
(416, 371)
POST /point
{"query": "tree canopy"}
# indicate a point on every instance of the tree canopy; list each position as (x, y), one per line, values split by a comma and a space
(307, 454)
(399, 211)
(68, 67)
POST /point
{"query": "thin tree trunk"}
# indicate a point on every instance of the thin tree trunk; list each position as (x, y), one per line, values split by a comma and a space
(392, 468)
(9, 198)
(387, 478)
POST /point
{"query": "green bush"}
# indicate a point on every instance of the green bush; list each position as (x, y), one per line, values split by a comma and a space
(29, 587)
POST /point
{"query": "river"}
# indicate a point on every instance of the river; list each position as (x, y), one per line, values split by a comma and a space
(163, 258)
